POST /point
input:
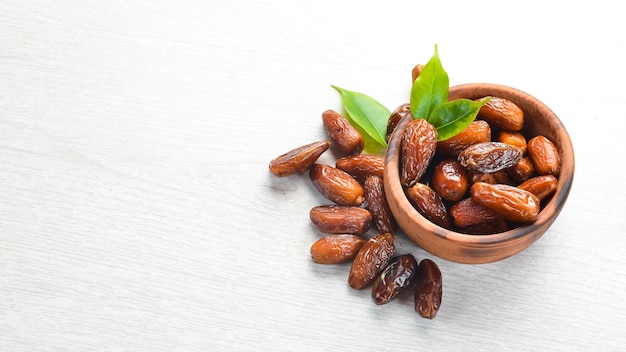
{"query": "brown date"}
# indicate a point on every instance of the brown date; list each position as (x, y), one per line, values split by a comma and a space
(477, 176)
(513, 138)
(428, 289)
(360, 166)
(469, 213)
(477, 132)
(370, 260)
(540, 186)
(376, 202)
(489, 157)
(336, 185)
(510, 202)
(521, 171)
(299, 159)
(502, 113)
(334, 249)
(396, 116)
(450, 180)
(340, 219)
(395, 277)
(496, 226)
(502, 177)
(493, 178)
(419, 142)
(429, 204)
(544, 156)
(417, 70)
(343, 135)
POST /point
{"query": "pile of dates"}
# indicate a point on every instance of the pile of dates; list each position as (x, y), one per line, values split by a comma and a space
(487, 179)
(354, 185)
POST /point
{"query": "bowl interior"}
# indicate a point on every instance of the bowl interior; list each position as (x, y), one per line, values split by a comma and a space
(465, 248)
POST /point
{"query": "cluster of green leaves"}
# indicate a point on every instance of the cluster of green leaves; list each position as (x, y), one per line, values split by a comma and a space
(429, 101)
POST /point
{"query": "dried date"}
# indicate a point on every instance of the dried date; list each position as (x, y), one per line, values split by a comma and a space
(334, 249)
(450, 180)
(502, 113)
(540, 186)
(478, 131)
(343, 135)
(521, 171)
(417, 70)
(428, 289)
(419, 142)
(395, 118)
(299, 159)
(510, 202)
(336, 185)
(362, 165)
(513, 138)
(490, 157)
(429, 204)
(395, 277)
(376, 203)
(340, 219)
(544, 155)
(371, 259)
(467, 213)
(496, 226)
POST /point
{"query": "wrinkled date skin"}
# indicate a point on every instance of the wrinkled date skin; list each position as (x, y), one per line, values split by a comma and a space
(450, 180)
(336, 185)
(395, 277)
(419, 142)
(487, 228)
(342, 134)
(428, 289)
(540, 186)
(371, 259)
(513, 138)
(299, 159)
(478, 131)
(490, 157)
(396, 116)
(502, 113)
(340, 219)
(376, 203)
(469, 213)
(544, 156)
(477, 176)
(429, 204)
(510, 202)
(334, 249)
(521, 171)
(362, 165)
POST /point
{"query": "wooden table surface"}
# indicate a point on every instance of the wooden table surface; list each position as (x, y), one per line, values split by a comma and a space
(137, 212)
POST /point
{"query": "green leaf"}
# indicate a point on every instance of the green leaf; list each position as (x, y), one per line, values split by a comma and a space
(430, 89)
(370, 146)
(453, 117)
(367, 113)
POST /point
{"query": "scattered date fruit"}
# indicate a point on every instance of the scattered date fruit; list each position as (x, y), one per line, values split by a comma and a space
(334, 249)
(371, 260)
(397, 276)
(486, 179)
(428, 289)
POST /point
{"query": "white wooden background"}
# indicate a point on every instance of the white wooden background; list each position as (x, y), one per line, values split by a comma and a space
(137, 212)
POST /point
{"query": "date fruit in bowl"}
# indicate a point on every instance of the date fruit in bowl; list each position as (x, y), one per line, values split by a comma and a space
(454, 245)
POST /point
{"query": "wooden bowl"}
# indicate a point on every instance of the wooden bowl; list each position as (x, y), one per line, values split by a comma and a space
(474, 249)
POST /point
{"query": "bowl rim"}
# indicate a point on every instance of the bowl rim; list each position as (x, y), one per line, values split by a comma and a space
(549, 212)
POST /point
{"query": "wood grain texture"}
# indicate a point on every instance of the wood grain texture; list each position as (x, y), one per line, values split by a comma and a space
(138, 214)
